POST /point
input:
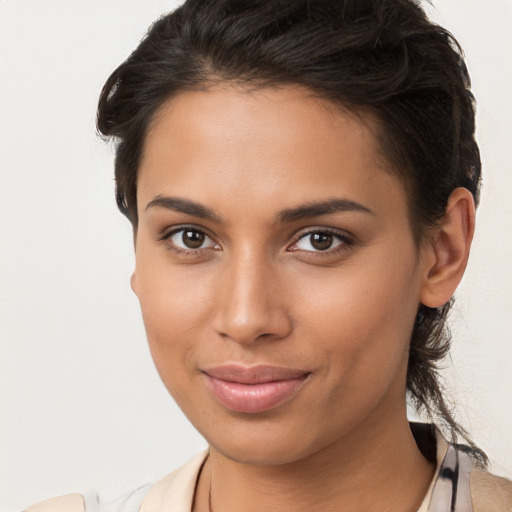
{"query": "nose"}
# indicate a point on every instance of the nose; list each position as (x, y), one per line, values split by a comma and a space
(251, 303)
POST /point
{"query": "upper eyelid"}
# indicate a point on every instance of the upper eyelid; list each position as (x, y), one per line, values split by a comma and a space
(319, 229)
(168, 232)
(347, 240)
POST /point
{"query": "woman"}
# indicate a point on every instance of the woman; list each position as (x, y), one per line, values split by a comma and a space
(301, 178)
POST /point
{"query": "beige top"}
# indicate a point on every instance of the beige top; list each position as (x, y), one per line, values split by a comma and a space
(474, 490)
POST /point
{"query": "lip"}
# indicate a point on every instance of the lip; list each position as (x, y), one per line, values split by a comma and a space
(254, 389)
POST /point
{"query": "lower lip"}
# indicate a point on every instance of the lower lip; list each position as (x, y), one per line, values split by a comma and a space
(254, 398)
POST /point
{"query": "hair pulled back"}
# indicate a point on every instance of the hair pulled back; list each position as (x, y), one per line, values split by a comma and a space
(382, 57)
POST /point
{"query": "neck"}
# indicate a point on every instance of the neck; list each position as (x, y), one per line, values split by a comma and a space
(376, 468)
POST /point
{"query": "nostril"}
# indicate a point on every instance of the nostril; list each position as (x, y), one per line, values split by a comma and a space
(248, 309)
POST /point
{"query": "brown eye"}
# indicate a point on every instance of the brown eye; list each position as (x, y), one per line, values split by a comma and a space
(321, 241)
(189, 239)
(192, 239)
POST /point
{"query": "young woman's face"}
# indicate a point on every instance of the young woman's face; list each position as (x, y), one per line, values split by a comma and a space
(277, 271)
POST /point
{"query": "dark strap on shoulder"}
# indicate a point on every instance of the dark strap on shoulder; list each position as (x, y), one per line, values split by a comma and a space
(452, 491)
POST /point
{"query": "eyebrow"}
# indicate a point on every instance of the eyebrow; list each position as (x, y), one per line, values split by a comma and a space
(304, 211)
(185, 206)
(319, 208)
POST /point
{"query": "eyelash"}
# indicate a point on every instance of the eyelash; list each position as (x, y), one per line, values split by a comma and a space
(346, 241)
(166, 239)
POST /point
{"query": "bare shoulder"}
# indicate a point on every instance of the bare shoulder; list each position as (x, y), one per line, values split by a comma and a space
(488, 490)
(68, 503)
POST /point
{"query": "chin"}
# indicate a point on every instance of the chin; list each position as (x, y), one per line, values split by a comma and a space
(265, 453)
(263, 440)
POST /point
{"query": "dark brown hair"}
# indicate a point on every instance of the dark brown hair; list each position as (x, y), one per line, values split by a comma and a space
(382, 57)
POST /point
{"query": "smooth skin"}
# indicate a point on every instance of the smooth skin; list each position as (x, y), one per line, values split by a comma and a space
(234, 266)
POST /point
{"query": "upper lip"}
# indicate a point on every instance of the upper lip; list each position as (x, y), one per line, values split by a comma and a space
(256, 374)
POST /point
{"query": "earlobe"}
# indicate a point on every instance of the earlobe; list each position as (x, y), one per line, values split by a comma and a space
(449, 247)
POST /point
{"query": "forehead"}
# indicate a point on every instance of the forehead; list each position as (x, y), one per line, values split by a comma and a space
(281, 118)
(282, 145)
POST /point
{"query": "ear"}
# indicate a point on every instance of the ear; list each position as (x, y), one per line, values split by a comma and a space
(448, 249)
(133, 282)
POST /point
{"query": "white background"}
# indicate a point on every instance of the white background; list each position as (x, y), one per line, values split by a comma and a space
(81, 405)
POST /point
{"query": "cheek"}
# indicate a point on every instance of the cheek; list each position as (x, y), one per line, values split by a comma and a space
(175, 307)
(360, 327)
(363, 314)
